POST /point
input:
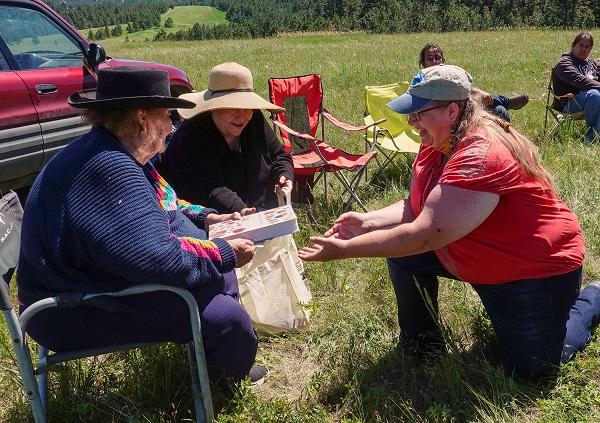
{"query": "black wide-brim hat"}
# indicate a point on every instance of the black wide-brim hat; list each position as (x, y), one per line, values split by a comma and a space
(128, 87)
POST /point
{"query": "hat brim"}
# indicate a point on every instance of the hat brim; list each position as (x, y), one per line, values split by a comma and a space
(408, 103)
(206, 101)
(87, 100)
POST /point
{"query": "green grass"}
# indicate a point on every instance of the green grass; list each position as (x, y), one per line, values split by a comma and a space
(184, 18)
(346, 368)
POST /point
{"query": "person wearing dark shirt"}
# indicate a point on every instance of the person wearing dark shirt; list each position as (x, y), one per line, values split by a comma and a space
(577, 74)
(100, 218)
(433, 55)
(224, 154)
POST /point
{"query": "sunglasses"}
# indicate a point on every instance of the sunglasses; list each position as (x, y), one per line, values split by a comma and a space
(417, 115)
(433, 57)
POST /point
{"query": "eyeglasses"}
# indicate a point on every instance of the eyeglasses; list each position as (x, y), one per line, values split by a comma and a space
(417, 115)
(433, 57)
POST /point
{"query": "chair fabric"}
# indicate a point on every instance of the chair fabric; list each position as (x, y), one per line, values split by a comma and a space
(11, 214)
(560, 117)
(394, 136)
(302, 98)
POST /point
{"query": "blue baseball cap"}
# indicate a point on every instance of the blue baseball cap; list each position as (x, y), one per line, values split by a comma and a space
(442, 82)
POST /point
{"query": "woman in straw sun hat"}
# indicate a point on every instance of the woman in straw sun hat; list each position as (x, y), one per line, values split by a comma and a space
(100, 218)
(224, 154)
(483, 210)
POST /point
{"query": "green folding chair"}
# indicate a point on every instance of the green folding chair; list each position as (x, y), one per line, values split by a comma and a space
(394, 136)
(34, 375)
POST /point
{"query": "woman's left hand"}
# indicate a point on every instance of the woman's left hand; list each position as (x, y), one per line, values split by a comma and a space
(217, 218)
(324, 249)
(283, 186)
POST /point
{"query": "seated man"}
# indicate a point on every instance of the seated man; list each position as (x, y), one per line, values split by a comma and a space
(432, 55)
(575, 73)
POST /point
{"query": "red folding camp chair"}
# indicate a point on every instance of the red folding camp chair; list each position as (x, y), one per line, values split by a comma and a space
(302, 97)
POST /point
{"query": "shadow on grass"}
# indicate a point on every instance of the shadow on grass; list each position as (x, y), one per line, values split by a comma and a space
(149, 384)
(460, 384)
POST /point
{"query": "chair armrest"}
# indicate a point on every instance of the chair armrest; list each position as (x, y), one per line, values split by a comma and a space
(567, 96)
(290, 131)
(346, 126)
(74, 299)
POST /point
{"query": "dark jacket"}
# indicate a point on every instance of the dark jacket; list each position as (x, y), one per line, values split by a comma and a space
(571, 75)
(203, 170)
(96, 220)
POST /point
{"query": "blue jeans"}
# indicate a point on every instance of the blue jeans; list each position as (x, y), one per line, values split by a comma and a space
(587, 101)
(533, 318)
(499, 107)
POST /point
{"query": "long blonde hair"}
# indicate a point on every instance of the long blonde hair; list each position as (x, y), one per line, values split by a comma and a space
(523, 150)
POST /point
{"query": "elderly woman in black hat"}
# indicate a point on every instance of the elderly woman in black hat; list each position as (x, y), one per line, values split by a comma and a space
(224, 154)
(482, 209)
(100, 218)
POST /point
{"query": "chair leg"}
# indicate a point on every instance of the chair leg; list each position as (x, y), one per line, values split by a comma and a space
(350, 190)
(388, 159)
(196, 390)
(25, 369)
(202, 410)
(43, 379)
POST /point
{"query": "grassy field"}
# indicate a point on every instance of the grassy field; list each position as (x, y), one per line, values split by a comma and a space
(346, 368)
(184, 18)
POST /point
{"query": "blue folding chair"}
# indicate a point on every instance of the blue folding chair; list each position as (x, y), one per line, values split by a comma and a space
(34, 375)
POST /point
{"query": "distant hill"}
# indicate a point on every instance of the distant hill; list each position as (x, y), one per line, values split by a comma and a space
(178, 19)
(140, 14)
(263, 18)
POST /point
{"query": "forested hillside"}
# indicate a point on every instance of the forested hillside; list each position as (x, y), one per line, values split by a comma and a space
(136, 14)
(262, 18)
(408, 15)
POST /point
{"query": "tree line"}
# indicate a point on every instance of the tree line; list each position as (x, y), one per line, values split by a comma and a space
(409, 15)
(264, 18)
(137, 15)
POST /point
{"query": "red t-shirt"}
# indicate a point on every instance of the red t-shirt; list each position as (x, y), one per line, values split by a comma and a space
(530, 234)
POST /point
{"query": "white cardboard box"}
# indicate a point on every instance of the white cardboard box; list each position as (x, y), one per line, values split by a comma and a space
(257, 227)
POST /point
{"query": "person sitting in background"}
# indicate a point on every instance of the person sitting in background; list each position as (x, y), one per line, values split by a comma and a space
(224, 154)
(577, 74)
(483, 210)
(99, 218)
(432, 55)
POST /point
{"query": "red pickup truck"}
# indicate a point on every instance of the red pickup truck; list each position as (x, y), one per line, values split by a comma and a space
(43, 60)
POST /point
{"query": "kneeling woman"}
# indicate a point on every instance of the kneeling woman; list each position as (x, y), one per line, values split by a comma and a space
(100, 218)
(483, 210)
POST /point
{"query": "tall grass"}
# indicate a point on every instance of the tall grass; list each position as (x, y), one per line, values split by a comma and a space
(347, 367)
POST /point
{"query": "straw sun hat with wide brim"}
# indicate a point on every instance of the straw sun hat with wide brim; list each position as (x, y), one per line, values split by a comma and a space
(128, 87)
(230, 86)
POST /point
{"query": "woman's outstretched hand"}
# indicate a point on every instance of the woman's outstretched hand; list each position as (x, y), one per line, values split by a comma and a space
(349, 225)
(324, 249)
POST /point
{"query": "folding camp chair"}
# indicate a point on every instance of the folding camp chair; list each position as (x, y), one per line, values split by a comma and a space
(394, 136)
(34, 376)
(560, 117)
(302, 97)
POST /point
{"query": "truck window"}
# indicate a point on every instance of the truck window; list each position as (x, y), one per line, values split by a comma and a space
(35, 41)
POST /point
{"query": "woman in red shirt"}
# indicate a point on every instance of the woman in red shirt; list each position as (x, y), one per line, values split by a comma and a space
(483, 210)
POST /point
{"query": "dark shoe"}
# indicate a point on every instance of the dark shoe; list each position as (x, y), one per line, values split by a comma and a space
(517, 102)
(257, 375)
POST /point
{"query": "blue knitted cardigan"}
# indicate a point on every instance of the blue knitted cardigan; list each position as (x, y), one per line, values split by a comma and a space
(96, 220)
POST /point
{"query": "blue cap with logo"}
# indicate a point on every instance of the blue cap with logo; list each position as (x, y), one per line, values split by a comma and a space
(441, 82)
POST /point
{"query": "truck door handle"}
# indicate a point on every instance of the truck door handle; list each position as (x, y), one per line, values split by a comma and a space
(46, 88)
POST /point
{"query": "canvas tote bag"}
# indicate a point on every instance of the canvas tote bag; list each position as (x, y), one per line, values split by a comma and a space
(272, 288)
